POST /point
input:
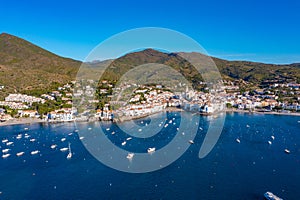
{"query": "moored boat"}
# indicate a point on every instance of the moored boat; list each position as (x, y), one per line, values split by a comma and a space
(69, 156)
(5, 150)
(19, 136)
(151, 150)
(273, 137)
(4, 140)
(130, 156)
(287, 151)
(34, 152)
(9, 143)
(5, 155)
(64, 149)
(271, 196)
(20, 153)
(269, 142)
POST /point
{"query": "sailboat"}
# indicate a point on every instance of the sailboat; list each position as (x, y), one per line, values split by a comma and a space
(69, 156)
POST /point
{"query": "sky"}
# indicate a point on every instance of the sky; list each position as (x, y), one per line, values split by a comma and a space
(262, 31)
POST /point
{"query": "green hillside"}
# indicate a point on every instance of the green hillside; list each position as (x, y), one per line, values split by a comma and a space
(253, 72)
(123, 64)
(25, 66)
(258, 72)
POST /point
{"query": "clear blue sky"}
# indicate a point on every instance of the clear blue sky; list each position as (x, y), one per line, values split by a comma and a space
(266, 31)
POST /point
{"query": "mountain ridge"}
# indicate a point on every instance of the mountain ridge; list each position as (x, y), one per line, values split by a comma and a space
(25, 66)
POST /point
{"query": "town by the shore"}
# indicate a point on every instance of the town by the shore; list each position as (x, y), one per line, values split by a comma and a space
(75, 102)
(29, 121)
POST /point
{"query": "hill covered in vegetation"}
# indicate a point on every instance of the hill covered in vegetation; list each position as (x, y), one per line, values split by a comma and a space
(26, 67)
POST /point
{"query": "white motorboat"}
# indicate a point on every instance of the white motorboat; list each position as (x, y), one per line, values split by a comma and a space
(20, 153)
(130, 156)
(238, 140)
(63, 139)
(53, 146)
(4, 140)
(113, 133)
(123, 143)
(81, 138)
(5, 150)
(269, 142)
(273, 137)
(130, 138)
(287, 151)
(25, 129)
(34, 152)
(191, 141)
(64, 149)
(151, 150)
(19, 137)
(5, 155)
(9, 143)
(32, 140)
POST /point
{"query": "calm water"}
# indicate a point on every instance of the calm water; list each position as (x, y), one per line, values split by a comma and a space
(231, 171)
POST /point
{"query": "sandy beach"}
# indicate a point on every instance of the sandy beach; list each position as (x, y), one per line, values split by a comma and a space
(21, 121)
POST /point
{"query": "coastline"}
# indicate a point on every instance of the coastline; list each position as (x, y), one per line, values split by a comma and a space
(18, 121)
(263, 113)
(128, 118)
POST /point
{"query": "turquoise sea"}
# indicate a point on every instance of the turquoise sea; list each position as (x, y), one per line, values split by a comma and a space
(232, 170)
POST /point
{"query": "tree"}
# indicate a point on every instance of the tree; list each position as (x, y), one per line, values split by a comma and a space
(228, 105)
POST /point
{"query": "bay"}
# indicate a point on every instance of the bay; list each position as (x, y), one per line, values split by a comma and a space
(232, 170)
